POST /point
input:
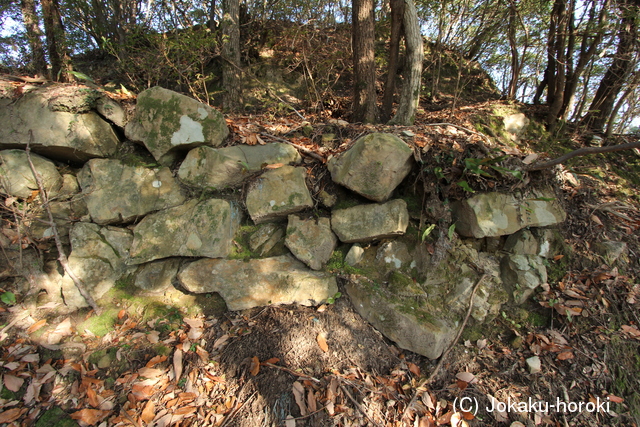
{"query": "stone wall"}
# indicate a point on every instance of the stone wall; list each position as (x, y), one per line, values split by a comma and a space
(182, 220)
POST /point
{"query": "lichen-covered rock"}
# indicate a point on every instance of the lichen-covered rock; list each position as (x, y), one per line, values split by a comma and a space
(112, 111)
(354, 256)
(311, 241)
(499, 214)
(16, 176)
(364, 223)
(97, 257)
(206, 167)
(277, 193)
(65, 214)
(166, 122)
(54, 131)
(393, 255)
(157, 276)
(265, 238)
(374, 166)
(523, 274)
(546, 243)
(196, 229)
(117, 193)
(421, 312)
(258, 282)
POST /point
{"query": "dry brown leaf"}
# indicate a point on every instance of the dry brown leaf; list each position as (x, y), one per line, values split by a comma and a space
(146, 372)
(12, 382)
(631, 330)
(149, 412)
(89, 416)
(39, 324)
(414, 369)
(311, 401)
(204, 354)
(467, 377)
(274, 166)
(31, 358)
(11, 415)
(92, 397)
(121, 314)
(142, 392)
(322, 342)
(615, 399)
(186, 410)
(273, 361)
(153, 337)
(255, 366)
(155, 360)
(177, 364)
(290, 421)
(220, 341)
(298, 394)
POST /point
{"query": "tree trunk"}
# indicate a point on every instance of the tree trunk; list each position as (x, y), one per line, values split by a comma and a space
(34, 35)
(231, 55)
(397, 14)
(56, 42)
(557, 61)
(410, 98)
(513, 45)
(611, 84)
(364, 67)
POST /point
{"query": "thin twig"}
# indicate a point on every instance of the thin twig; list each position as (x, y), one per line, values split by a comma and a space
(292, 372)
(435, 371)
(358, 406)
(582, 152)
(62, 257)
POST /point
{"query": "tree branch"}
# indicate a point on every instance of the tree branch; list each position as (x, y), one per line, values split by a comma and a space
(62, 257)
(582, 152)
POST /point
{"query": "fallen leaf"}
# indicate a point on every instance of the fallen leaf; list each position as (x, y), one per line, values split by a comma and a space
(89, 416)
(290, 421)
(615, 399)
(500, 416)
(467, 377)
(631, 330)
(565, 355)
(39, 324)
(322, 342)
(12, 414)
(255, 366)
(530, 158)
(12, 382)
(121, 314)
(298, 394)
(177, 364)
(155, 360)
(146, 372)
(142, 392)
(415, 369)
(273, 361)
(149, 412)
(274, 166)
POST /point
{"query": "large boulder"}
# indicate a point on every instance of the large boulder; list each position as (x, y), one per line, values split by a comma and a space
(310, 240)
(117, 193)
(207, 167)
(365, 223)
(197, 229)
(374, 166)
(16, 176)
(278, 193)
(53, 131)
(258, 282)
(167, 122)
(499, 214)
(97, 257)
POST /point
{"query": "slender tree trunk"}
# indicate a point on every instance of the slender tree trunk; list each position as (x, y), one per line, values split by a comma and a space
(397, 14)
(515, 60)
(34, 35)
(230, 25)
(364, 67)
(410, 97)
(557, 60)
(56, 41)
(604, 100)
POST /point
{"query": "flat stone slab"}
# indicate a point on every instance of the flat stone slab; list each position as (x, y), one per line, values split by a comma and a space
(374, 166)
(311, 241)
(97, 257)
(195, 229)
(117, 193)
(277, 193)
(166, 122)
(61, 135)
(206, 167)
(16, 176)
(364, 223)
(499, 214)
(258, 282)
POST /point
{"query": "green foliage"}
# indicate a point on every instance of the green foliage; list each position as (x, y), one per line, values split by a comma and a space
(8, 298)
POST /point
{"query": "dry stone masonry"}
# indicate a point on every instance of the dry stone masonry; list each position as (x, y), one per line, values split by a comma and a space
(242, 221)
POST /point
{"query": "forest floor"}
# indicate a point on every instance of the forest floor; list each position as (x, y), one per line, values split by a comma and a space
(316, 366)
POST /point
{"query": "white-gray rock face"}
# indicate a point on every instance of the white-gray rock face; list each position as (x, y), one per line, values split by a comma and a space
(277, 193)
(16, 176)
(60, 135)
(97, 257)
(166, 122)
(523, 274)
(311, 241)
(265, 238)
(364, 223)
(117, 193)
(498, 214)
(206, 167)
(196, 229)
(374, 166)
(258, 282)
(546, 243)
